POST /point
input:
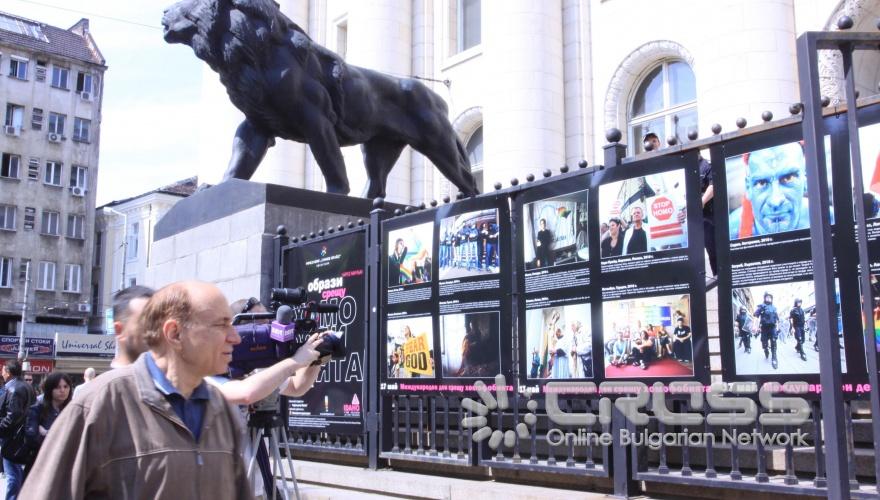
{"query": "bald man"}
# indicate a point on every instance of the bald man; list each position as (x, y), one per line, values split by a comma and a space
(154, 429)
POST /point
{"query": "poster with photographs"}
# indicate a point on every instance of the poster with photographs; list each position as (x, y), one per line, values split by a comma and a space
(775, 328)
(410, 347)
(643, 214)
(556, 231)
(559, 342)
(410, 257)
(470, 244)
(648, 337)
(470, 344)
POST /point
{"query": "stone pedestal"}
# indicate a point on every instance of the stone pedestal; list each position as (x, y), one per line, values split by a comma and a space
(224, 235)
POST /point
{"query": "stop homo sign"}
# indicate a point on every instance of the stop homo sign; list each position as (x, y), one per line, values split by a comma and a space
(662, 208)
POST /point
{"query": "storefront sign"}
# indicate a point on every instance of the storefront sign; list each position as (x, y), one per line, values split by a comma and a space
(84, 345)
(42, 348)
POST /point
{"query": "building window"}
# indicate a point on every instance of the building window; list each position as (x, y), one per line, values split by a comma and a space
(30, 215)
(342, 39)
(665, 103)
(34, 169)
(51, 224)
(59, 77)
(81, 129)
(9, 165)
(41, 71)
(14, 116)
(75, 226)
(475, 155)
(132, 282)
(52, 175)
(18, 68)
(56, 123)
(132, 244)
(24, 270)
(5, 272)
(99, 243)
(468, 29)
(73, 278)
(7, 217)
(79, 177)
(46, 276)
(37, 119)
(83, 82)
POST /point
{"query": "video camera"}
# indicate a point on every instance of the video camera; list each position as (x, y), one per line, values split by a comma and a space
(264, 345)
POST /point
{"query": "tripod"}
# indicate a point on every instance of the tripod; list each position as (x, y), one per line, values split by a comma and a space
(269, 425)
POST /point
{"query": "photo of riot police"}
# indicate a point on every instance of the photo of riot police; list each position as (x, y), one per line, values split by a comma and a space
(410, 347)
(470, 345)
(648, 337)
(559, 342)
(409, 255)
(775, 329)
(555, 231)
(643, 214)
(767, 191)
(470, 245)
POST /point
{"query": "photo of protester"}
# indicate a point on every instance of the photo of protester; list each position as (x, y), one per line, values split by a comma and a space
(470, 344)
(643, 214)
(775, 329)
(559, 342)
(767, 191)
(648, 337)
(470, 245)
(869, 138)
(555, 231)
(409, 255)
(410, 347)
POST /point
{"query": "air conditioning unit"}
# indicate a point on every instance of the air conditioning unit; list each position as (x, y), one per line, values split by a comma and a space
(53, 137)
(77, 191)
(10, 130)
(84, 308)
(86, 96)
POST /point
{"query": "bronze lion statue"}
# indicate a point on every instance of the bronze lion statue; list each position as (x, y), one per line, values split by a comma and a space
(290, 87)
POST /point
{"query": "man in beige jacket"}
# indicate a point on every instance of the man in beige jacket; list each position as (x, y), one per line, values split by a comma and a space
(154, 429)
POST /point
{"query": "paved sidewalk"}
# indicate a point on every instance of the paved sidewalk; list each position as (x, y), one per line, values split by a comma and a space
(330, 481)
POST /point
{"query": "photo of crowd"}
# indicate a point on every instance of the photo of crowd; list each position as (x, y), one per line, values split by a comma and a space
(648, 337)
(409, 255)
(470, 344)
(767, 191)
(410, 347)
(470, 245)
(555, 231)
(559, 340)
(775, 329)
(643, 214)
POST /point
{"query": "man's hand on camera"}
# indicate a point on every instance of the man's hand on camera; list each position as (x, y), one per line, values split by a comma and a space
(308, 352)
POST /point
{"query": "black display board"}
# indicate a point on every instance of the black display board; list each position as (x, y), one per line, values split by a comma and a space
(764, 258)
(333, 271)
(607, 264)
(445, 299)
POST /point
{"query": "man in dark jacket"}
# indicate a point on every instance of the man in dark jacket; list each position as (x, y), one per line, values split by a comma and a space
(768, 316)
(13, 410)
(797, 318)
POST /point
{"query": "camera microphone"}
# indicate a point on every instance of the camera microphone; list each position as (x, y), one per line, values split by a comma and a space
(289, 295)
(283, 328)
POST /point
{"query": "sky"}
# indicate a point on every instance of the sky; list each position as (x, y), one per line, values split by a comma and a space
(149, 131)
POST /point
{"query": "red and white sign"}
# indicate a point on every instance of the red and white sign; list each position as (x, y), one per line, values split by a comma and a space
(37, 365)
(665, 228)
(662, 208)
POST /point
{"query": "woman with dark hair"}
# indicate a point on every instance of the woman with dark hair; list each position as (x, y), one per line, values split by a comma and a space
(612, 246)
(42, 414)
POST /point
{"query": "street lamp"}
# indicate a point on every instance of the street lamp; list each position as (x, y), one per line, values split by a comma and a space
(124, 241)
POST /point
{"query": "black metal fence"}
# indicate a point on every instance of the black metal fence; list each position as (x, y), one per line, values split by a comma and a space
(836, 456)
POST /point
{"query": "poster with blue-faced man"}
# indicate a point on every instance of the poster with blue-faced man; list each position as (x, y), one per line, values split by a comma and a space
(767, 191)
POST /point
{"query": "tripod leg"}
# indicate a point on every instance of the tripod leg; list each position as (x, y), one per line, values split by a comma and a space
(276, 454)
(256, 437)
(290, 462)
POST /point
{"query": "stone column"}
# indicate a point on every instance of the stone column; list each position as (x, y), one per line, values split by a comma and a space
(380, 38)
(524, 129)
